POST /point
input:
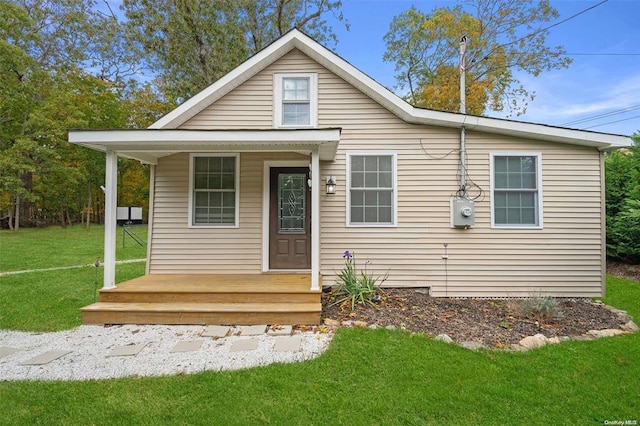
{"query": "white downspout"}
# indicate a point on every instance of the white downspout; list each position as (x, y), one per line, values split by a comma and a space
(111, 199)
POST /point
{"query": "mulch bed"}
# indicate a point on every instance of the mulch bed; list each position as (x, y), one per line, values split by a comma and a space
(494, 323)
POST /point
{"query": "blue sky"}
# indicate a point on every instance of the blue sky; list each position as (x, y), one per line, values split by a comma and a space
(594, 85)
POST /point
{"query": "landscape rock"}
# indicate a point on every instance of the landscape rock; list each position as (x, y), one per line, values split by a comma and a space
(472, 346)
(359, 324)
(553, 340)
(390, 327)
(535, 341)
(331, 322)
(623, 316)
(373, 326)
(347, 323)
(609, 332)
(630, 326)
(443, 338)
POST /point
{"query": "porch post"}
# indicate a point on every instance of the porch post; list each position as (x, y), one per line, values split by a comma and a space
(315, 220)
(111, 199)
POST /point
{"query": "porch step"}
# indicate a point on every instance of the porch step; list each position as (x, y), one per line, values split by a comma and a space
(202, 313)
(169, 293)
(208, 299)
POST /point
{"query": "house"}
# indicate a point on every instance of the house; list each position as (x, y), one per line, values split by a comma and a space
(295, 156)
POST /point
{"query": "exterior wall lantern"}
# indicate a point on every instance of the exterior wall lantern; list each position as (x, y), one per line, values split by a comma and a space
(331, 185)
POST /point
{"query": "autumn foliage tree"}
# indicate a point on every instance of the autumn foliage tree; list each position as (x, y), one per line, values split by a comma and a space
(504, 37)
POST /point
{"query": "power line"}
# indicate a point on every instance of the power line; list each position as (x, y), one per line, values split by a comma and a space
(541, 30)
(603, 54)
(611, 122)
(603, 115)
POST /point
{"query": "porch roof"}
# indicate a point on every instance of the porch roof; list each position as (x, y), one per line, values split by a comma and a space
(148, 145)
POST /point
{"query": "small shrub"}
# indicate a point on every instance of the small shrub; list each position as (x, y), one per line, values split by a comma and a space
(542, 309)
(357, 287)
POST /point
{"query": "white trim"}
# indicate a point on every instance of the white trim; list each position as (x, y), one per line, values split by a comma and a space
(236, 223)
(315, 221)
(152, 196)
(540, 209)
(149, 145)
(266, 176)
(278, 79)
(295, 39)
(394, 222)
(110, 225)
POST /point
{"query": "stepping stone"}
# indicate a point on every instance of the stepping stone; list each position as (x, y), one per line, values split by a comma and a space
(281, 330)
(187, 346)
(127, 350)
(46, 358)
(288, 344)
(252, 330)
(5, 351)
(244, 345)
(215, 331)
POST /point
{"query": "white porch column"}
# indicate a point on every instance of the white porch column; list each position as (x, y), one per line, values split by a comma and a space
(315, 220)
(111, 200)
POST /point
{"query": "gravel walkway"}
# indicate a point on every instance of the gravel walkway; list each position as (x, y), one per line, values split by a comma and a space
(89, 348)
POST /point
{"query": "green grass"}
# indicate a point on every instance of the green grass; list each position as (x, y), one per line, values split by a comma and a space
(32, 248)
(367, 377)
(51, 300)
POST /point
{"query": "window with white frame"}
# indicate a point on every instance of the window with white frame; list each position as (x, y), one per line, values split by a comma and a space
(295, 100)
(372, 189)
(213, 197)
(516, 185)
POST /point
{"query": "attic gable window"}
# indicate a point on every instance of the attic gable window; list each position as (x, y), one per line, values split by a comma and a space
(213, 190)
(295, 100)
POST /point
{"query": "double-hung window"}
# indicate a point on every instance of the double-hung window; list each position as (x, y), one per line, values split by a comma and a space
(213, 195)
(372, 189)
(295, 100)
(516, 185)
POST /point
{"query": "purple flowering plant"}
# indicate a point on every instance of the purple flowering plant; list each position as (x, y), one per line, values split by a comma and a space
(357, 287)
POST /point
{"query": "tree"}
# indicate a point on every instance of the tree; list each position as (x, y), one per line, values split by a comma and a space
(43, 92)
(189, 44)
(504, 36)
(622, 169)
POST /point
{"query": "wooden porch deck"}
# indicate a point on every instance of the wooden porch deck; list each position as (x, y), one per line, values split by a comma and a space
(209, 299)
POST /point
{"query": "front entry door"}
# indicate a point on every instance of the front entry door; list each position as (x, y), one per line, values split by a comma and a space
(289, 218)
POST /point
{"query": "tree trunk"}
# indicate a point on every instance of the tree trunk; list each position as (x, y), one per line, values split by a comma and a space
(11, 211)
(16, 223)
(62, 222)
(89, 206)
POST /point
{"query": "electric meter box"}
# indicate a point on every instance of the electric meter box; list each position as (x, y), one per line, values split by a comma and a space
(462, 212)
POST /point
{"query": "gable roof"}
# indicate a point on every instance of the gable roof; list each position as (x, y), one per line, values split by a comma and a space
(295, 39)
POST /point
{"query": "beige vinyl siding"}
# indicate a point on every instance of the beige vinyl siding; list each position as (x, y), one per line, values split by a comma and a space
(562, 259)
(178, 249)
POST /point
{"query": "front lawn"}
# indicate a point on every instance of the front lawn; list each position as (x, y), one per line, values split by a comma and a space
(368, 377)
(36, 248)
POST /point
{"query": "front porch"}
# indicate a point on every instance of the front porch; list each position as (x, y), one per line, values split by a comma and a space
(209, 299)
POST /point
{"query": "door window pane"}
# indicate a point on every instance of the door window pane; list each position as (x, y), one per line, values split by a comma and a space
(292, 200)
